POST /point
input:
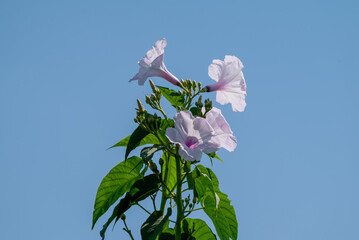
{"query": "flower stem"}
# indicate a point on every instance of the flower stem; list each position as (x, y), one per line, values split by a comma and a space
(179, 197)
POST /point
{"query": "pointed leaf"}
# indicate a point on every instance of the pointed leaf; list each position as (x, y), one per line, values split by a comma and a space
(169, 171)
(135, 140)
(198, 229)
(172, 96)
(140, 190)
(153, 225)
(222, 215)
(147, 152)
(118, 181)
(149, 139)
(204, 184)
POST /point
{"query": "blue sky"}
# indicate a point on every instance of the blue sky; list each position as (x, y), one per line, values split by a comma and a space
(65, 98)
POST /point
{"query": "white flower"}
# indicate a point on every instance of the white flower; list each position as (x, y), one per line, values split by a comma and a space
(223, 133)
(230, 84)
(152, 65)
(193, 135)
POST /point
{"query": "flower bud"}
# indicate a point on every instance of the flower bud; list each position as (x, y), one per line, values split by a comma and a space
(194, 85)
(148, 100)
(190, 205)
(140, 106)
(208, 105)
(153, 97)
(123, 217)
(199, 103)
(152, 86)
(199, 85)
(161, 162)
(194, 200)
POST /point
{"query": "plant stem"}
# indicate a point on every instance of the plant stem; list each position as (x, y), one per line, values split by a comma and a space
(144, 209)
(179, 198)
(128, 230)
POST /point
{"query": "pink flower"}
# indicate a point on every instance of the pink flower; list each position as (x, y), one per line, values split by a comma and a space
(223, 133)
(230, 84)
(193, 135)
(152, 65)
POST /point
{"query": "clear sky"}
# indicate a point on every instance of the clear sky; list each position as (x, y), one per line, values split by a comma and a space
(65, 98)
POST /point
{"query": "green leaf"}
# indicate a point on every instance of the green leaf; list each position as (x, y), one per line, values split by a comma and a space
(135, 139)
(118, 181)
(149, 139)
(190, 179)
(147, 152)
(153, 225)
(140, 190)
(204, 184)
(198, 229)
(214, 155)
(169, 171)
(172, 96)
(223, 216)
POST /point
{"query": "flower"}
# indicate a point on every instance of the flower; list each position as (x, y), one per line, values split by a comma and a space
(230, 84)
(223, 133)
(152, 65)
(193, 135)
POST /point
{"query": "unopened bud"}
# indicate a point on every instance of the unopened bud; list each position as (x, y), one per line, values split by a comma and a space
(199, 103)
(190, 205)
(123, 217)
(161, 162)
(208, 105)
(140, 106)
(194, 85)
(199, 85)
(148, 100)
(153, 97)
(194, 200)
(152, 86)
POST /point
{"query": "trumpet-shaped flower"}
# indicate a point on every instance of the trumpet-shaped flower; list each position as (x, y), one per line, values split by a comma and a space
(230, 84)
(193, 135)
(152, 65)
(223, 133)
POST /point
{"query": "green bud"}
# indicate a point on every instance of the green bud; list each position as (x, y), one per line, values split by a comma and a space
(194, 200)
(123, 217)
(140, 106)
(153, 98)
(199, 85)
(190, 205)
(208, 105)
(148, 100)
(161, 162)
(199, 103)
(158, 94)
(152, 86)
(194, 85)
(187, 200)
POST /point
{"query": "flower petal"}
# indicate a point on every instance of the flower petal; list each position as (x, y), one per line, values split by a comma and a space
(190, 154)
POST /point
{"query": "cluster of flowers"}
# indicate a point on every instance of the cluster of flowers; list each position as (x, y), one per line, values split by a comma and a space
(195, 135)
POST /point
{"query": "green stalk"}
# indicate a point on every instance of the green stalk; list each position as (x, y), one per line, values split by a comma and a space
(179, 198)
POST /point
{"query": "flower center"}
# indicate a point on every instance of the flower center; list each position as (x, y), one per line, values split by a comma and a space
(191, 142)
